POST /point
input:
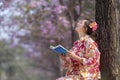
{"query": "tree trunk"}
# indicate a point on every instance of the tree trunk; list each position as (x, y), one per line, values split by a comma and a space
(108, 18)
(73, 16)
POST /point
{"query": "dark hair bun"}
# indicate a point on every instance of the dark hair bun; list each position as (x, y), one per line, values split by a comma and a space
(89, 31)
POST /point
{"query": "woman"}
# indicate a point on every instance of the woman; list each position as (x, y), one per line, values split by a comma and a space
(82, 61)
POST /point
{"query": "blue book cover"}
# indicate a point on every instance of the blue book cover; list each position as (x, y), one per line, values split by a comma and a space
(59, 49)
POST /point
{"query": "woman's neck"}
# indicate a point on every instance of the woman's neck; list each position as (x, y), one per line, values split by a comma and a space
(82, 36)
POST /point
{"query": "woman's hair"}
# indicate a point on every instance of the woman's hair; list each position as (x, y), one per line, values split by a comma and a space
(89, 31)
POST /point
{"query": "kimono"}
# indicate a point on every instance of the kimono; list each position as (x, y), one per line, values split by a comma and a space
(86, 48)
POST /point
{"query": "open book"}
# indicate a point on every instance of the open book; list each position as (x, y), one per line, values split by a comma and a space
(59, 49)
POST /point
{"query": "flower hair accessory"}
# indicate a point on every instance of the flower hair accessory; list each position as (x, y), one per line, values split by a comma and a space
(94, 26)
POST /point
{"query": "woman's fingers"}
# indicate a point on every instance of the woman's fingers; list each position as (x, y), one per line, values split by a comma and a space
(62, 56)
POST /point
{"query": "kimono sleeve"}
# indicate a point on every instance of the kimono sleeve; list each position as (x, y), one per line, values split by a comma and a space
(65, 63)
(75, 47)
(92, 54)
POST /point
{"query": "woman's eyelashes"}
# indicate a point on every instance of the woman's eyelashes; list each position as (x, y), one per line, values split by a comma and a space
(75, 26)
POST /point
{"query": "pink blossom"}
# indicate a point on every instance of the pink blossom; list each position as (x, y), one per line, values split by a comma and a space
(44, 2)
(95, 27)
(51, 41)
(48, 24)
(12, 46)
(33, 4)
(44, 31)
(64, 21)
(59, 9)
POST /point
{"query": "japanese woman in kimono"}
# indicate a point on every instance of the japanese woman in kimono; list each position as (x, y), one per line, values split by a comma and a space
(83, 60)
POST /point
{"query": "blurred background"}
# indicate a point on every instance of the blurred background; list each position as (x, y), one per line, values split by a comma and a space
(29, 27)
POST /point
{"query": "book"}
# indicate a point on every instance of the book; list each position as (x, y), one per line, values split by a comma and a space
(59, 49)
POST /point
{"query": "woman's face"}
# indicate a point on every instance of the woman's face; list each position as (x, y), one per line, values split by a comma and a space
(80, 28)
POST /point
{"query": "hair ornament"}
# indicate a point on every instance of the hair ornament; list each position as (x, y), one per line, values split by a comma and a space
(94, 26)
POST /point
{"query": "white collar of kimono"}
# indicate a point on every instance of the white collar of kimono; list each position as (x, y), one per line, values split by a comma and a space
(84, 37)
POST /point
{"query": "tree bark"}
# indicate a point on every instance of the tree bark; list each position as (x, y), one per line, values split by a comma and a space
(108, 18)
(73, 16)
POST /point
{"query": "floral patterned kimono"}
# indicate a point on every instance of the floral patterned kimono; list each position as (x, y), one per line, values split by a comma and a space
(87, 49)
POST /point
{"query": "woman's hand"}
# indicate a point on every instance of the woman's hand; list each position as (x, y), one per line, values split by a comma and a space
(71, 54)
(62, 56)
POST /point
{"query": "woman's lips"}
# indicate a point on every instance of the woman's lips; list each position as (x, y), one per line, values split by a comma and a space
(75, 27)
